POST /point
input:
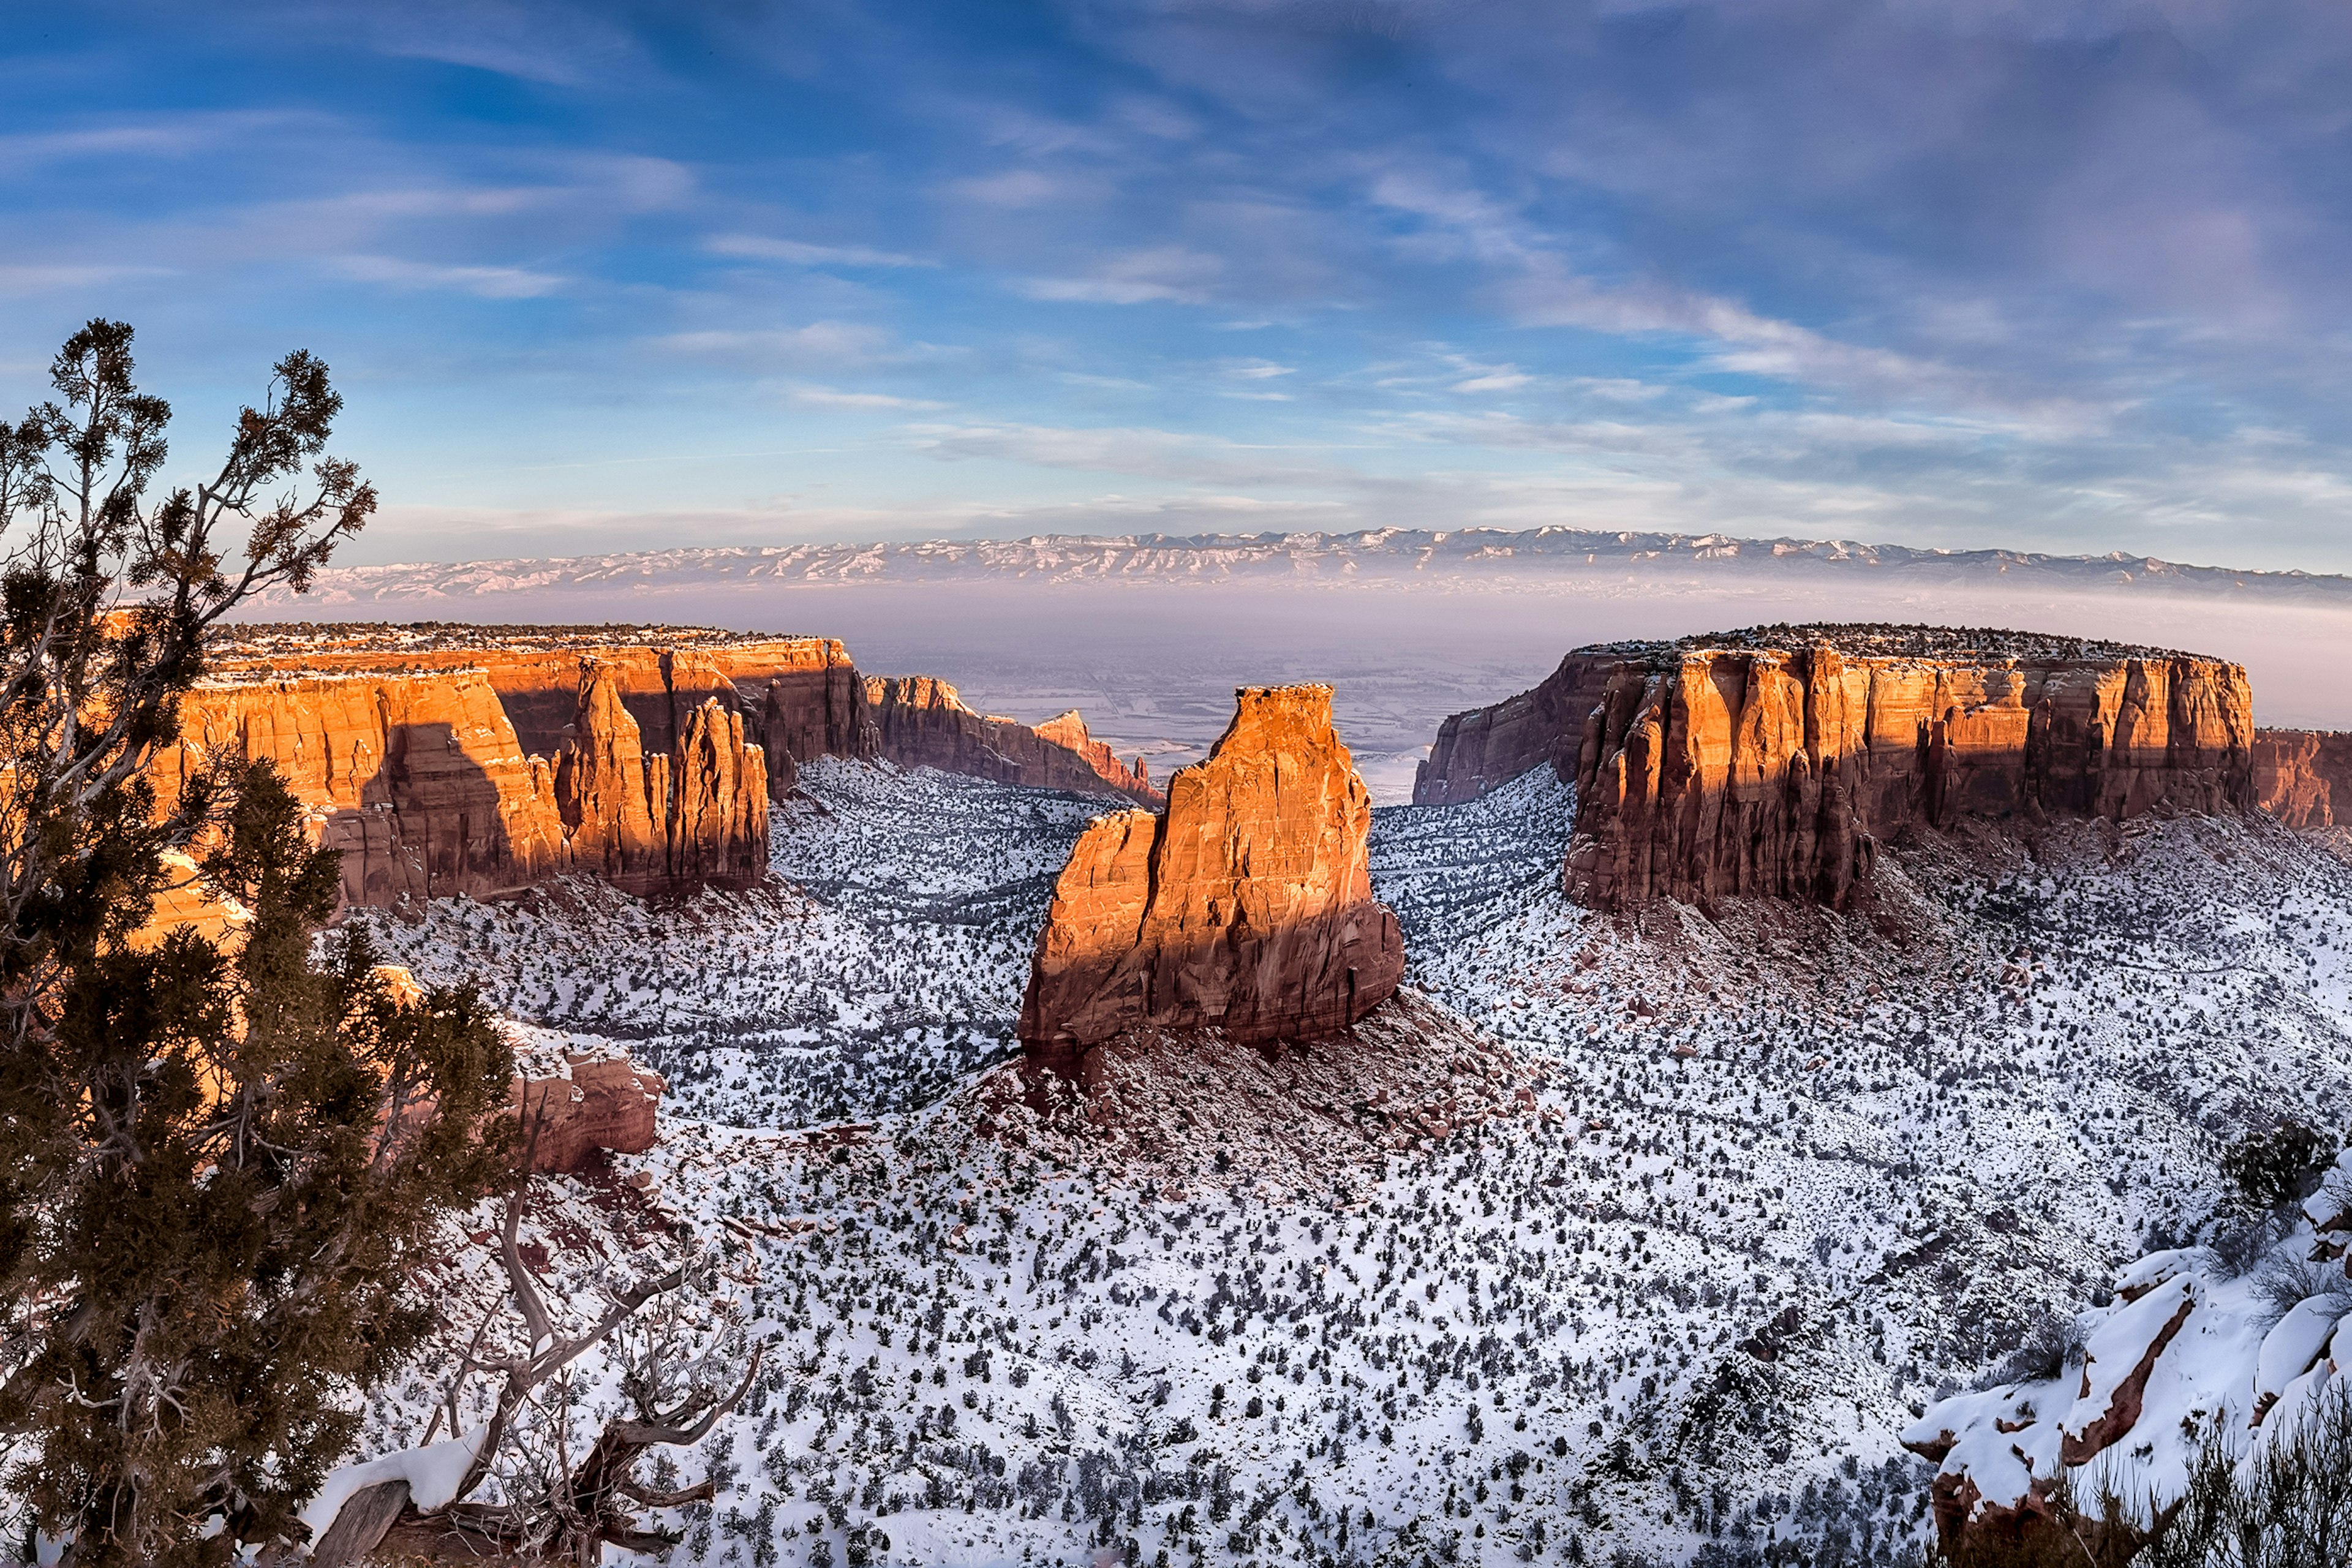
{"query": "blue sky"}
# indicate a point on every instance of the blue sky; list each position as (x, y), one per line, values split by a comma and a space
(2056, 275)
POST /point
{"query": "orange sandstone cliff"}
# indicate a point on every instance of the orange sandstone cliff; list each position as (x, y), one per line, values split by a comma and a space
(419, 778)
(923, 723)
(1246, 906)
(1773, 760)
(804, 694)
(2304, 778)
(445, 758)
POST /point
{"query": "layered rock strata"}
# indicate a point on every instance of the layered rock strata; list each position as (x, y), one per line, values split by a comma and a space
(445, 759)
(2304, 778)
(419, 779)
(661, 673)
(1246, 906)
(924, 724)
(575, 1105)
(421, 782)
(1772, 762)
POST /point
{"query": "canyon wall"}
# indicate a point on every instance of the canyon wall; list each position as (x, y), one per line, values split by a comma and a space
(445, 759)
(1772, 762)
(2304, 778)
(420, 780)
(804, 693)
(923, 723)
(1246, 906)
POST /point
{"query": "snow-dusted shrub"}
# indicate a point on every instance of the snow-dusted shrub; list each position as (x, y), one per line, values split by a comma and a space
(2288, 1505)
(2279, 1166)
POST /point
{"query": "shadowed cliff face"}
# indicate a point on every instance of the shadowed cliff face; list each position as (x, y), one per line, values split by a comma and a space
(1772, 762)
(422, 783)
(923, 723)
(2304, 778)
(1246, 906)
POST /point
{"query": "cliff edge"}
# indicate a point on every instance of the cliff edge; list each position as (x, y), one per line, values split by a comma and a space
(1772, 761)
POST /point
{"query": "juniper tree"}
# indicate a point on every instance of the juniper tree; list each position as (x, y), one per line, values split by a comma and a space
(214, 1158)
(275, 1137)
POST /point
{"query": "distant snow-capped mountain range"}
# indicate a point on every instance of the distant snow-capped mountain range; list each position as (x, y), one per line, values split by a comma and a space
(1465, 557)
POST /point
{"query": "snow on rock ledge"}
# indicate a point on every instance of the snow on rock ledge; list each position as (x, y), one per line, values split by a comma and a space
(2181, 1353)
(586, 1095)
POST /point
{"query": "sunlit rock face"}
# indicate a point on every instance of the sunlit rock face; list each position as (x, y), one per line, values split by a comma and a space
(1772, 762)
(1246, 906)
(420, 779)
(656, 821)
(417, 778)
(2304, 778)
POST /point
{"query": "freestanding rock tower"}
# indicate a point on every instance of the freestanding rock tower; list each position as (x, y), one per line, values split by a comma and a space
(1246, 906)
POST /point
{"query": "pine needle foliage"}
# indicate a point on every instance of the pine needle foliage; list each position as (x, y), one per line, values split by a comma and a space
(217, 1158)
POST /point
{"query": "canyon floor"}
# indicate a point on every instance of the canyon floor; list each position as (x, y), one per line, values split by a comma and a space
(1614, 1239)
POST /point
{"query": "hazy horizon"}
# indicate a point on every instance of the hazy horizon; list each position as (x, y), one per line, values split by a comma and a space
(1148, 641)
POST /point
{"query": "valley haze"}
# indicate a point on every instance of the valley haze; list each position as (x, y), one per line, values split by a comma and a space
(1148, 636)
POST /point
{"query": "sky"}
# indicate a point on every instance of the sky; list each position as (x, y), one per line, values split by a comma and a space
(2063, 275)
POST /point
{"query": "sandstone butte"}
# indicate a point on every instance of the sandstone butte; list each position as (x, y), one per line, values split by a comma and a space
(1246, 906)
(1773, 760)
(446, 759)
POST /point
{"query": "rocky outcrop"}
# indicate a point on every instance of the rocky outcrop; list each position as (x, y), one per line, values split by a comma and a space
(2180, 1352)
(446, 758)
(602, 788)
(1068, 729)
(1246, 906)
(652, 822)
(419, 779)
(718, 789)
(662, 673)
(575, 1105)
(923, 723)
(810, 701)
(1772, 762)
(2304, 778)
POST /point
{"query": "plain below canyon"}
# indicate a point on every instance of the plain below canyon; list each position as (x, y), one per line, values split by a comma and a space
(1764, 1100)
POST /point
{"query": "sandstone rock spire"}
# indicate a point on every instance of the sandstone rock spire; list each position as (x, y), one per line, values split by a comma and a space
(1247, 906)
(719, 802)
(602, 792)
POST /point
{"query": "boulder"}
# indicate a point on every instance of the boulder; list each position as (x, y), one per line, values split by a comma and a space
(584, 1104)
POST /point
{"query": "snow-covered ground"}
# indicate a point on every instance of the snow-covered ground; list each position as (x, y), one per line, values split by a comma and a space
(884, 965)
(1778, 1183)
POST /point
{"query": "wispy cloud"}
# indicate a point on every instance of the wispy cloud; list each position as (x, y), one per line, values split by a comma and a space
(486, 282)
(2068, 274)
(817, 343)
(1138, 450)
(832, 397)
(801, 253)
(1160, 274)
